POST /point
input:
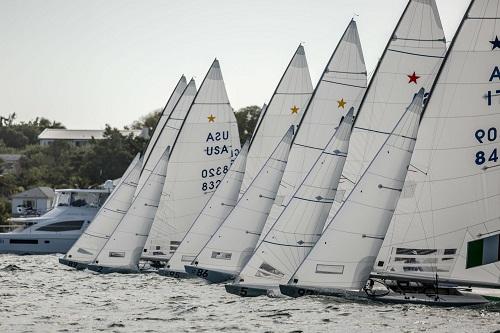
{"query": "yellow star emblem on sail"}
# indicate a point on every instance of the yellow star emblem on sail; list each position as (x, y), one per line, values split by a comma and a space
(211, 118)
(294, 109)
(341, 103)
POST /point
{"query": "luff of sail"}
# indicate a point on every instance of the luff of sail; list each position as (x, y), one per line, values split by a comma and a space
(447, 222)
(300, 224)
(233, 243)
(93, 239)
(165, 115)
(123, 249)
(286, 108)
(167, 134)
(201, 155)
(411, 60)
(213, 214)
(341, 86)
(344, 254)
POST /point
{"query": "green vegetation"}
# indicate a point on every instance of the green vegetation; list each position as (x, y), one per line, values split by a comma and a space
(62, 165)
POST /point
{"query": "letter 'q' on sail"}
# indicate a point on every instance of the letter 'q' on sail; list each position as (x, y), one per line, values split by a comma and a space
(93, 239)
(233, 243)
(341, 86)
(410, 61)
(122, 251)
(202, 154)
(343, 256)
(447, 223)
(286, 108)
(300, 224)
(211, 217)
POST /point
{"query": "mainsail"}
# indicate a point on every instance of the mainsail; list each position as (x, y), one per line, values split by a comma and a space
(211, 217)
(233, 243)
(301, 223)
(410, 61)
(169, 130)
(93, 239)
(286, 108)
(165, 115)
(344, 254)
(201, 155)
(123, 249)
(447, 223)
(341, 86)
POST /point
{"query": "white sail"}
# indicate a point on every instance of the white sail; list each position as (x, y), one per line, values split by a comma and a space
(165, 115)
(92, 240)
(344, 254)
(233, 243)
(341, 86)
(123, 249)
(202, 154)
(286, 108)
(211, 217)
(410, 61)
(167, 134)
(301, 223)
(447, 222)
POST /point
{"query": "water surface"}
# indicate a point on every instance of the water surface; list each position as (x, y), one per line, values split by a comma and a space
(37, 294)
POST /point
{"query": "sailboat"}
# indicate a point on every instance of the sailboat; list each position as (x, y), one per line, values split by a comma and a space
(301, 222)
(123, 249)
(341, 260)
(213, 214)
(286, 108)
(410, 61)
(340, 87)
(207, 144)
(233, 243)
(91, 242)
(445, 230)
(93, 239)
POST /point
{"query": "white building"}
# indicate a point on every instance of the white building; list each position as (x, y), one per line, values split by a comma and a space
(36, 200)
(81, 137)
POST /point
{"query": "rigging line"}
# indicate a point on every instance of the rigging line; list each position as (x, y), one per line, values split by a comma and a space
(372, 237)
(214, 103)
(348, 179)
(416, 54)
(298, 93)
(488, 233)
(306, 146)
(344, 84)
(327, 201)
(263, 196)
(287, 245)
(371, 130)
(420, 40)
(343, 72)
(425, 173)
(390, 188)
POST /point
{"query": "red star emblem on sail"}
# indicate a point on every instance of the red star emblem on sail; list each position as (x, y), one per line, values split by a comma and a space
(413, 78)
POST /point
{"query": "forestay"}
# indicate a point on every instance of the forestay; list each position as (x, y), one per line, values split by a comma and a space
(286, 108)
(92, 240)
(447, 222)
(341, 86)
(234, 241)
(410, 61)
(344, 254)
(165, 115)
(167, 134)
(211, 217)
(123, 249)
(202, 154)
(300, 224)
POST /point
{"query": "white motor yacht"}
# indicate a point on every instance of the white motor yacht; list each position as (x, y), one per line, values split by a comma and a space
(59, 228)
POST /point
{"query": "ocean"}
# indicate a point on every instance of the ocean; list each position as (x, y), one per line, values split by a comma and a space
(37, 294)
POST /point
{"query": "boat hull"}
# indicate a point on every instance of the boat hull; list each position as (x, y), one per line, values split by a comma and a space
(213, 276)
(35, 243)
(109, 270)
(73, 264)
(174, 274)
(244, 290)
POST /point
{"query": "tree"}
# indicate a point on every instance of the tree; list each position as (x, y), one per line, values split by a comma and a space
(247, 118)
(148, 121)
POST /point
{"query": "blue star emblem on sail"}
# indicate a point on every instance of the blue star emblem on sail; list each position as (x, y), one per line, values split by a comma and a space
(495, 43)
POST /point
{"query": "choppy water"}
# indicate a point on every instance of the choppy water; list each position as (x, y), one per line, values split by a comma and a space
(37, 294)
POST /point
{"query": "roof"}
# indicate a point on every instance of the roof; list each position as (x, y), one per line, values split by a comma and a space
(36, 193)
(10, 157)
(71, 134)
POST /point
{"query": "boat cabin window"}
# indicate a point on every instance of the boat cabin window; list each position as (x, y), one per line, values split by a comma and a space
(62, 226)
(81, 199)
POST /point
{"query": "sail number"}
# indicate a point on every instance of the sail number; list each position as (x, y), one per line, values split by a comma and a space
(483, 136)
(212, 172)
(211, 185)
